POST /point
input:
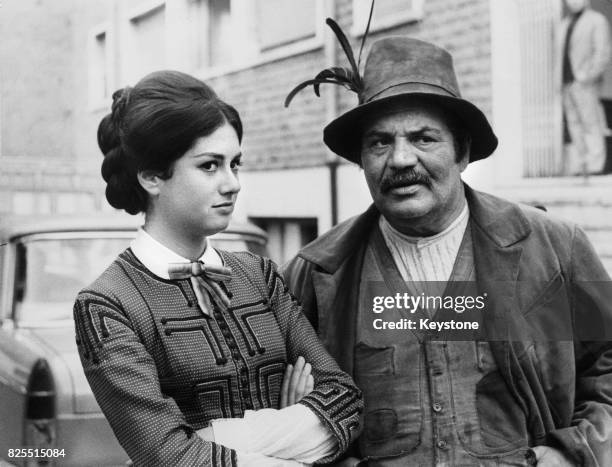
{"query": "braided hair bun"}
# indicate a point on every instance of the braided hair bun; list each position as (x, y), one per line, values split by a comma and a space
(122, 188)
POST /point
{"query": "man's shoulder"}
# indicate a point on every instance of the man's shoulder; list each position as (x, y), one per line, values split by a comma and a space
(541, 219)
(534, 216)
(337, 233)
(333, 246)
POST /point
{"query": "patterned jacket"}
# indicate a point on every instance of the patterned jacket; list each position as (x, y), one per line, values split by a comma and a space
(161, 369)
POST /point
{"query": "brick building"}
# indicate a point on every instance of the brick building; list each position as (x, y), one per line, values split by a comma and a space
(253, 52)
(43, 71)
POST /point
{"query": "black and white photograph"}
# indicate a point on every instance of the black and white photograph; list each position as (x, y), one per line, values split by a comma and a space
(287, 233)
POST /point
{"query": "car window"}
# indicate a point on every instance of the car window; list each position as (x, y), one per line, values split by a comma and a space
(51, 272)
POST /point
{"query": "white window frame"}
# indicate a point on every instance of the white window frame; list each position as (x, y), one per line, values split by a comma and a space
(276, 53)
(130, 18)
(361, 11)
(97, 101)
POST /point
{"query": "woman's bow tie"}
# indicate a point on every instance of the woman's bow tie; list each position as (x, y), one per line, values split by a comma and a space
(204, 278)
(198, 268)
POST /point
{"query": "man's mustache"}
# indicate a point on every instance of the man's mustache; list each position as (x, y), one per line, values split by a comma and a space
(404, 178)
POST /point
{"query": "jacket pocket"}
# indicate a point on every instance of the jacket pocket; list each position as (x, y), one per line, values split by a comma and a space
(548, 317)
(502, 421)
(374, 360)
(393, 415)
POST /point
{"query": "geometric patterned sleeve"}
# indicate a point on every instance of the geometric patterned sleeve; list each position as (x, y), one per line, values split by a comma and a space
(124, 380)
(335, 399)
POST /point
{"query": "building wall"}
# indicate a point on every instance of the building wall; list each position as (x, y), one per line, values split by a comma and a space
(43, 73)
(64, 119)
(286, 173)
(36, 80)
(88, 15)
(277, 137)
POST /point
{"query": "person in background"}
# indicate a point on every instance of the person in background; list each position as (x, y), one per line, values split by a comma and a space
(533, 386)
(585, 53)
(198, 356)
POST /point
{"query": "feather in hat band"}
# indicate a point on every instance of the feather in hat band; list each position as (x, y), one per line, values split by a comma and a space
(349, 78)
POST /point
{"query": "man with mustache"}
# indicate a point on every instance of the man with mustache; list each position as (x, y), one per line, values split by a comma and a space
(535, 386)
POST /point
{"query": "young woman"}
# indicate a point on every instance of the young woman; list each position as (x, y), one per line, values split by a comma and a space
(188, 349)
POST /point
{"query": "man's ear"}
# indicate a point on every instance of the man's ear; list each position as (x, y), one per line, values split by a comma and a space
(465, 157)
(150, 181)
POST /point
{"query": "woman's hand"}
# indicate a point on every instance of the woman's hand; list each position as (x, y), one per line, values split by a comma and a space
(297, 383)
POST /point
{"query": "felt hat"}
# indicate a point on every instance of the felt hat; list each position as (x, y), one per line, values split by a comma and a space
(399, 69)
(403, 69)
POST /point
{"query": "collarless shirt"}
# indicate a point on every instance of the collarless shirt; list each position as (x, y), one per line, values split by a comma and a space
(421, 259)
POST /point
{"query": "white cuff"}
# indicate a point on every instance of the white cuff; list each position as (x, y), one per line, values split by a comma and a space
(233, 433)
(294, 432)
(259, 460)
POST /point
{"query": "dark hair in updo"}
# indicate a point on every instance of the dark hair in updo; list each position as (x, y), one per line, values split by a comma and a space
(151, 126)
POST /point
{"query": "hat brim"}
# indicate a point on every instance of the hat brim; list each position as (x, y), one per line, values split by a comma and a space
(343, 135)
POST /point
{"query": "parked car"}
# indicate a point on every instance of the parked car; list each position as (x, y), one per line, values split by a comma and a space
(47, 410)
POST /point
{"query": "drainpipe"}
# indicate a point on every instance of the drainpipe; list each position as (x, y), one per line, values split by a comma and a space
(1, 80)
(331, 109)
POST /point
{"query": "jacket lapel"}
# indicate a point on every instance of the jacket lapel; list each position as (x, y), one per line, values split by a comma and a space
(337, 297)
(499, 229)
(496, 274)
(339, 257)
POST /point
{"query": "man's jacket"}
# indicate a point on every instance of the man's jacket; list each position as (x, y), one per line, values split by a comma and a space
(550, 317)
